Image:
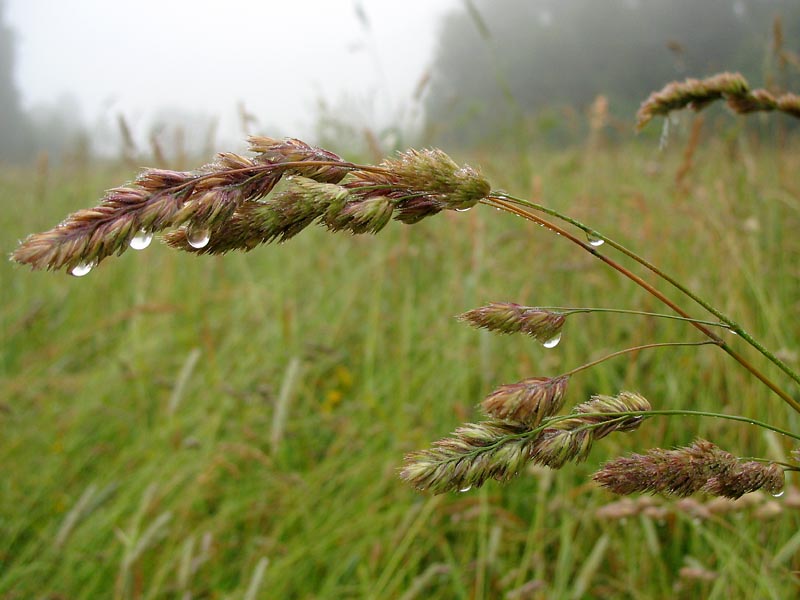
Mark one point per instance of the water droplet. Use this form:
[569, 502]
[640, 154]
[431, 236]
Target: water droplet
[82, 269]
[463, 209]
[778, 494]
[594, 241]
[662, 142]
[553, 341]
[465, 489]
[198, 238]
[141, 240]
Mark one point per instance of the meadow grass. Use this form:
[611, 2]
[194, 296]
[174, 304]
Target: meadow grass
[200, 427]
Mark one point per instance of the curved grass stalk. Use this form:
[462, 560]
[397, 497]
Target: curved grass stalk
[725, 319]
[511, 205]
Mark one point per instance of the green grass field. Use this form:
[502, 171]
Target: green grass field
[174, 426]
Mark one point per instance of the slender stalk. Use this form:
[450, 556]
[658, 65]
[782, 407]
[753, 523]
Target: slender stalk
[635, 349]
[730, 323]
[568, 310]
[498, 202]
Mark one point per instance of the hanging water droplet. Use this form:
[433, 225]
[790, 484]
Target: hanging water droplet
[465, 489]
[463, 209]
[141, 240]
[594, 241]
[198, 238]
[552, 342]
[82, 269]
[662, 142]
[778, 494]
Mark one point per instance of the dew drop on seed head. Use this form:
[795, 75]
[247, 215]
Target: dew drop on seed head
[465, 489]
[141, 240]
[82, 269]
[552, 342]
[778, 494]
[594, 241]
[198, 238]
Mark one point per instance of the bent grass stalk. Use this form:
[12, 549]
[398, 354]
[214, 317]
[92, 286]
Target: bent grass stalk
[235, 203]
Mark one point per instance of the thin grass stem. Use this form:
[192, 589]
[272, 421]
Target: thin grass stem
[635, 349]
[497, 201]
[726, 320]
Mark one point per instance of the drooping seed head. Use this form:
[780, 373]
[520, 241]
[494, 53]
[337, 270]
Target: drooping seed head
[692, 93]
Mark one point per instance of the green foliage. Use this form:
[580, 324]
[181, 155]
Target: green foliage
[139, 404]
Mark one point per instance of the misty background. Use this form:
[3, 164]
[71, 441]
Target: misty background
[166, 78]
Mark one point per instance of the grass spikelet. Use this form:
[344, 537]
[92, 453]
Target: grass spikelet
[746, 477]
[361, 216]
[528, 401]
[507, 317]
[571, 439]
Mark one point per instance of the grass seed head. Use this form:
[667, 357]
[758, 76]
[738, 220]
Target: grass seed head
[528, 401]
[701, 466]
[473, 454]
[507, 317]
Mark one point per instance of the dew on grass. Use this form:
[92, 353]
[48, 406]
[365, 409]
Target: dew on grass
[82, 269]
[594, 241]
[198, 238]
[552, 342]
[141, 240]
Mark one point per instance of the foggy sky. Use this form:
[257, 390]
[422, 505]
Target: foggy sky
[278, 58]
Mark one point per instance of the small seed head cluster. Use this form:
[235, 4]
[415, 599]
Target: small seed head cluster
[528, 401]
[507, 317]
[499, 449]
[701, 466]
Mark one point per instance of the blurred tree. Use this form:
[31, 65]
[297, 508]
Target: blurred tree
[499, 61]
[15, 131]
